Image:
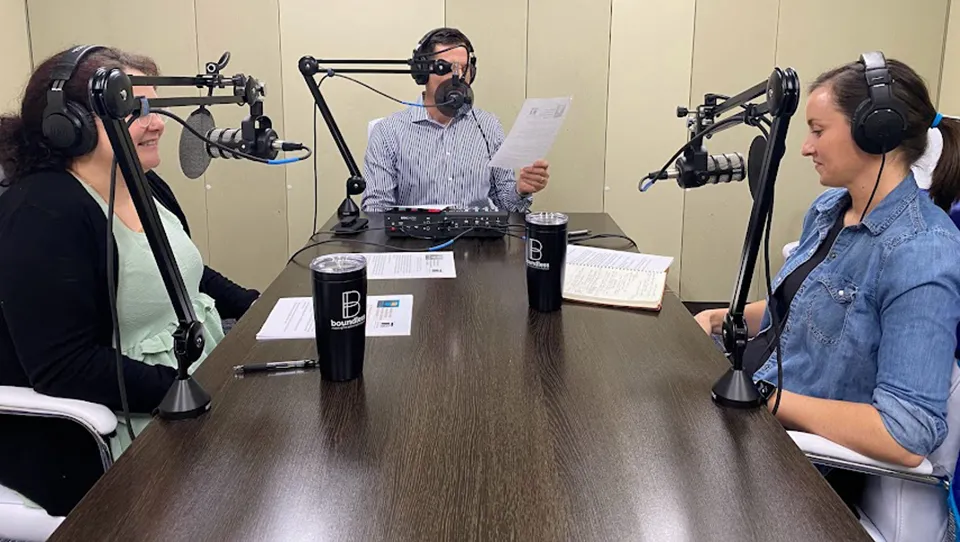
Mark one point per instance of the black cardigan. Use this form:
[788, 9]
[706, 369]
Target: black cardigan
[56, 329]
[55, 324]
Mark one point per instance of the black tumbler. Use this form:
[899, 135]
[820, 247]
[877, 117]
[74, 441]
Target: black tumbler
[546, 257]
[340, 314]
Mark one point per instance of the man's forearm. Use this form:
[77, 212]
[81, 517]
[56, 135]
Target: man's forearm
[857, 426]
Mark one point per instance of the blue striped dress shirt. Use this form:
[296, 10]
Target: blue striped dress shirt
[412, 159]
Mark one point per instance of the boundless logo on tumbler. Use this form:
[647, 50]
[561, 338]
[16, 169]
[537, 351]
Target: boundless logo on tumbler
[535, 254]
[351, 312]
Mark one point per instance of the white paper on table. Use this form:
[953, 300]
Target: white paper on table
[533, 133]
[616, 259]
[410, 265]
[389, 315]
[292, 318]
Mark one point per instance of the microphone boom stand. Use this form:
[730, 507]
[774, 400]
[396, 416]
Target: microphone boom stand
[113, 100]
[736, 388]
[348, 214]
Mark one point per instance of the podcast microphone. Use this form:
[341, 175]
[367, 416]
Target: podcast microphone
[255, 138]
[454, 97]
[719, 168]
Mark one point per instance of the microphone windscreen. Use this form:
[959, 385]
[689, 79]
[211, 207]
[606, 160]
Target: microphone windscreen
[454, 97]
[194, 158]
[758, 148]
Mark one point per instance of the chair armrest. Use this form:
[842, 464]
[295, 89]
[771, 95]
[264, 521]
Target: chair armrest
[826, 452]
[98, 419]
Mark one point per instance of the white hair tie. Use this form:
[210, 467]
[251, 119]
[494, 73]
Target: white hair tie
[924, 167]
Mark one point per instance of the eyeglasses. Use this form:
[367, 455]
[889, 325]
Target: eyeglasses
[146, 120]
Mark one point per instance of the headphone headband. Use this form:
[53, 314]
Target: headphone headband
[427, 40]
[66, 67]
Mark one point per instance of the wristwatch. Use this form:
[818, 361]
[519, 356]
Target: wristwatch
[766, 389]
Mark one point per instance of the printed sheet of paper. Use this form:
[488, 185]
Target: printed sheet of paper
[533, 133]
[292, 318]
[410, 265]
[616, 259]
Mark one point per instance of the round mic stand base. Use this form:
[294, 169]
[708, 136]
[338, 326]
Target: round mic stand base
[737, 390]
[185, 399]
[348, 215]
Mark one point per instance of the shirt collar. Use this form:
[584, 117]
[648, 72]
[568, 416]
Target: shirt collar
[418, 113]
[880, 218]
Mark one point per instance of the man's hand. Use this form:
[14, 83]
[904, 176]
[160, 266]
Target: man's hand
[533, 178]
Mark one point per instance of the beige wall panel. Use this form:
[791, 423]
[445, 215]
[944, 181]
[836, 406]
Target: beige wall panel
[642, 128]
[246, 202]
[15, 61]
[950, 83]
[498, 31]
[817, 35]
[342, 30]
[167, 34]
[567, 55]
[715, 217]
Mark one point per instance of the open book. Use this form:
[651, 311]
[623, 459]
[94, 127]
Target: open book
[614, 277]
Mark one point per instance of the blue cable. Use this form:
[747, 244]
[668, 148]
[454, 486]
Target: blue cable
[441, 246]
[646, 186]
[281, 161]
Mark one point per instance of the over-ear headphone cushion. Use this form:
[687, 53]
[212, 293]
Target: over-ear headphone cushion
[877, 129]
[88, 129]
[71, 130]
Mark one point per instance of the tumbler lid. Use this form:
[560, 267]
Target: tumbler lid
[547, 219]
[338, 264]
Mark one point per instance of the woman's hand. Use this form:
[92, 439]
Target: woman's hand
[711, 320]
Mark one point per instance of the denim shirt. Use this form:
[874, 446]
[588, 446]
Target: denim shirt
[876, 321]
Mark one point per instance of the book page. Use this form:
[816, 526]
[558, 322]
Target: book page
[613, 284]
[616, 259]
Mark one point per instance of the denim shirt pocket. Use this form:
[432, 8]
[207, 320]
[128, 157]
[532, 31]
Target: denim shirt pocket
[829, 299]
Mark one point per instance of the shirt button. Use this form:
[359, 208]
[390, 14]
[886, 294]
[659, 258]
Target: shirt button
[448, 154]
[833, 255]
[451, 178]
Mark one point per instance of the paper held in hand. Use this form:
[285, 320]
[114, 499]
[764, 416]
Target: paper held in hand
[616, 278]
[533, 132]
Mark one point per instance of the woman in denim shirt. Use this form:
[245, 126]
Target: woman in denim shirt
[869, 301]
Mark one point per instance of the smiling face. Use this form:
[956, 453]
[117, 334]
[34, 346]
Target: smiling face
[145, 135]
[829, 143]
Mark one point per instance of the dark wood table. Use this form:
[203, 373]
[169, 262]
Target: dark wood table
[490, 422]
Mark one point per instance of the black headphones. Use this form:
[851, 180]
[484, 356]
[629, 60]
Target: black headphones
[880, 121]
[67, 125]
[423, 55]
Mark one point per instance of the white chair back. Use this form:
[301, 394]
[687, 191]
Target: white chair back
[370, 126]
[905, 511]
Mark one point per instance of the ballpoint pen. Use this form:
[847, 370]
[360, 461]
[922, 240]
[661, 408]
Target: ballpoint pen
[274, 366]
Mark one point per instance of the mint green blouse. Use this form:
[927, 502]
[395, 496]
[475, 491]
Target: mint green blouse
[146, 317]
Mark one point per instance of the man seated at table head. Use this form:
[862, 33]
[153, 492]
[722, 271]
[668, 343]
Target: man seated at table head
[429, 154]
